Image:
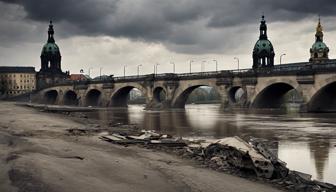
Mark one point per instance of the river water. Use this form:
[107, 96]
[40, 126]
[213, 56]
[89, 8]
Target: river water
[306, 142]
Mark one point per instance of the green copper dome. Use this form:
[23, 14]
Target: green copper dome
[50, 48]
[319, 46]
[263, 45]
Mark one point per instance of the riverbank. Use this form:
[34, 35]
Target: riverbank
[38, 154]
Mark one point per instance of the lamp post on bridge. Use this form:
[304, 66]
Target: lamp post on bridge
[202, 66]
[190, 65]
[124, 70]
[100, 68]
[281, 57]
[173, 66]
[216, 64]
[236, 58]
[139, 69]
[156, 68]
[90, 71]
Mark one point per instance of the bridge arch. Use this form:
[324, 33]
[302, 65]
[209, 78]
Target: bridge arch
[120, 97]
[324, 99]
[181, 96]
[236, 94]
[70, 98]
[50, 97]
[272, 95]
[93, 97]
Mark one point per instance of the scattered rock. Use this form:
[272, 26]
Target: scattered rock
[75, 157]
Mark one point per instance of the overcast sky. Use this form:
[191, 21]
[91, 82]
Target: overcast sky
[114, 33]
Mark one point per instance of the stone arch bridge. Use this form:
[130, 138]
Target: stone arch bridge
[263, 88]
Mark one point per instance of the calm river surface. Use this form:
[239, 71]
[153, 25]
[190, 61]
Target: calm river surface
[306, 142]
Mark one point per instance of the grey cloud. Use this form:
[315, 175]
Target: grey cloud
[182, 25]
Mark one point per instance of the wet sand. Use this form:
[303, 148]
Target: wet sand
[37, 155]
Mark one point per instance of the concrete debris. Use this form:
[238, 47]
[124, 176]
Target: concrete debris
[280, 169]
[146, 138]
[240, 154]
[232, 155]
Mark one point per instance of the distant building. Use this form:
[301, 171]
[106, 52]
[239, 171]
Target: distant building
[51, 71]
[17, 80]
[263, 52]
[319, 51]
[79, 77]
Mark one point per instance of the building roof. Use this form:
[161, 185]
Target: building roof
[263, 45]
[79, 77]
[17, 69]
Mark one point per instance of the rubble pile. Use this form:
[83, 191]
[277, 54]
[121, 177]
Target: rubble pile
[149, 138]
[250, 159]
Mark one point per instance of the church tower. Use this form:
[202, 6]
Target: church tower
[263, 52]
[319, 51]
[50, 71]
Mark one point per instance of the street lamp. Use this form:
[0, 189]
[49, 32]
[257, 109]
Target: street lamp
[173, 66]
[139, 69]
[216, 64]
[236, 58]
[100, 69]
[202, 66]
[156, 68]
[90, 71]
[124, 70]
[190, 64]
[281, 57]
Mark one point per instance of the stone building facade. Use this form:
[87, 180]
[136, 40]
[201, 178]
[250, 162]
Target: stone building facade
[17, 80]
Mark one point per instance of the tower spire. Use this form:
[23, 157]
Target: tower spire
[51, 33]
[319, 31]
[319, 51]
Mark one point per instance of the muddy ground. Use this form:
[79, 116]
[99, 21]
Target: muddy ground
[38, 154]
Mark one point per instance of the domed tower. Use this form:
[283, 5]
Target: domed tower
[263, 52]
[319, 51]
[50, 71]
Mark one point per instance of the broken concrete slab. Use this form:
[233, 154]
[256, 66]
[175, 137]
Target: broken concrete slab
[242, 155]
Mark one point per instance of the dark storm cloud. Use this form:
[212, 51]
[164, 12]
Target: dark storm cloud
[174, 22]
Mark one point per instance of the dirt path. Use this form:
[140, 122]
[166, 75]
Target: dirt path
[36, 155]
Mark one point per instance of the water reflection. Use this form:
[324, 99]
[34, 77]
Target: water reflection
[305, 141]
